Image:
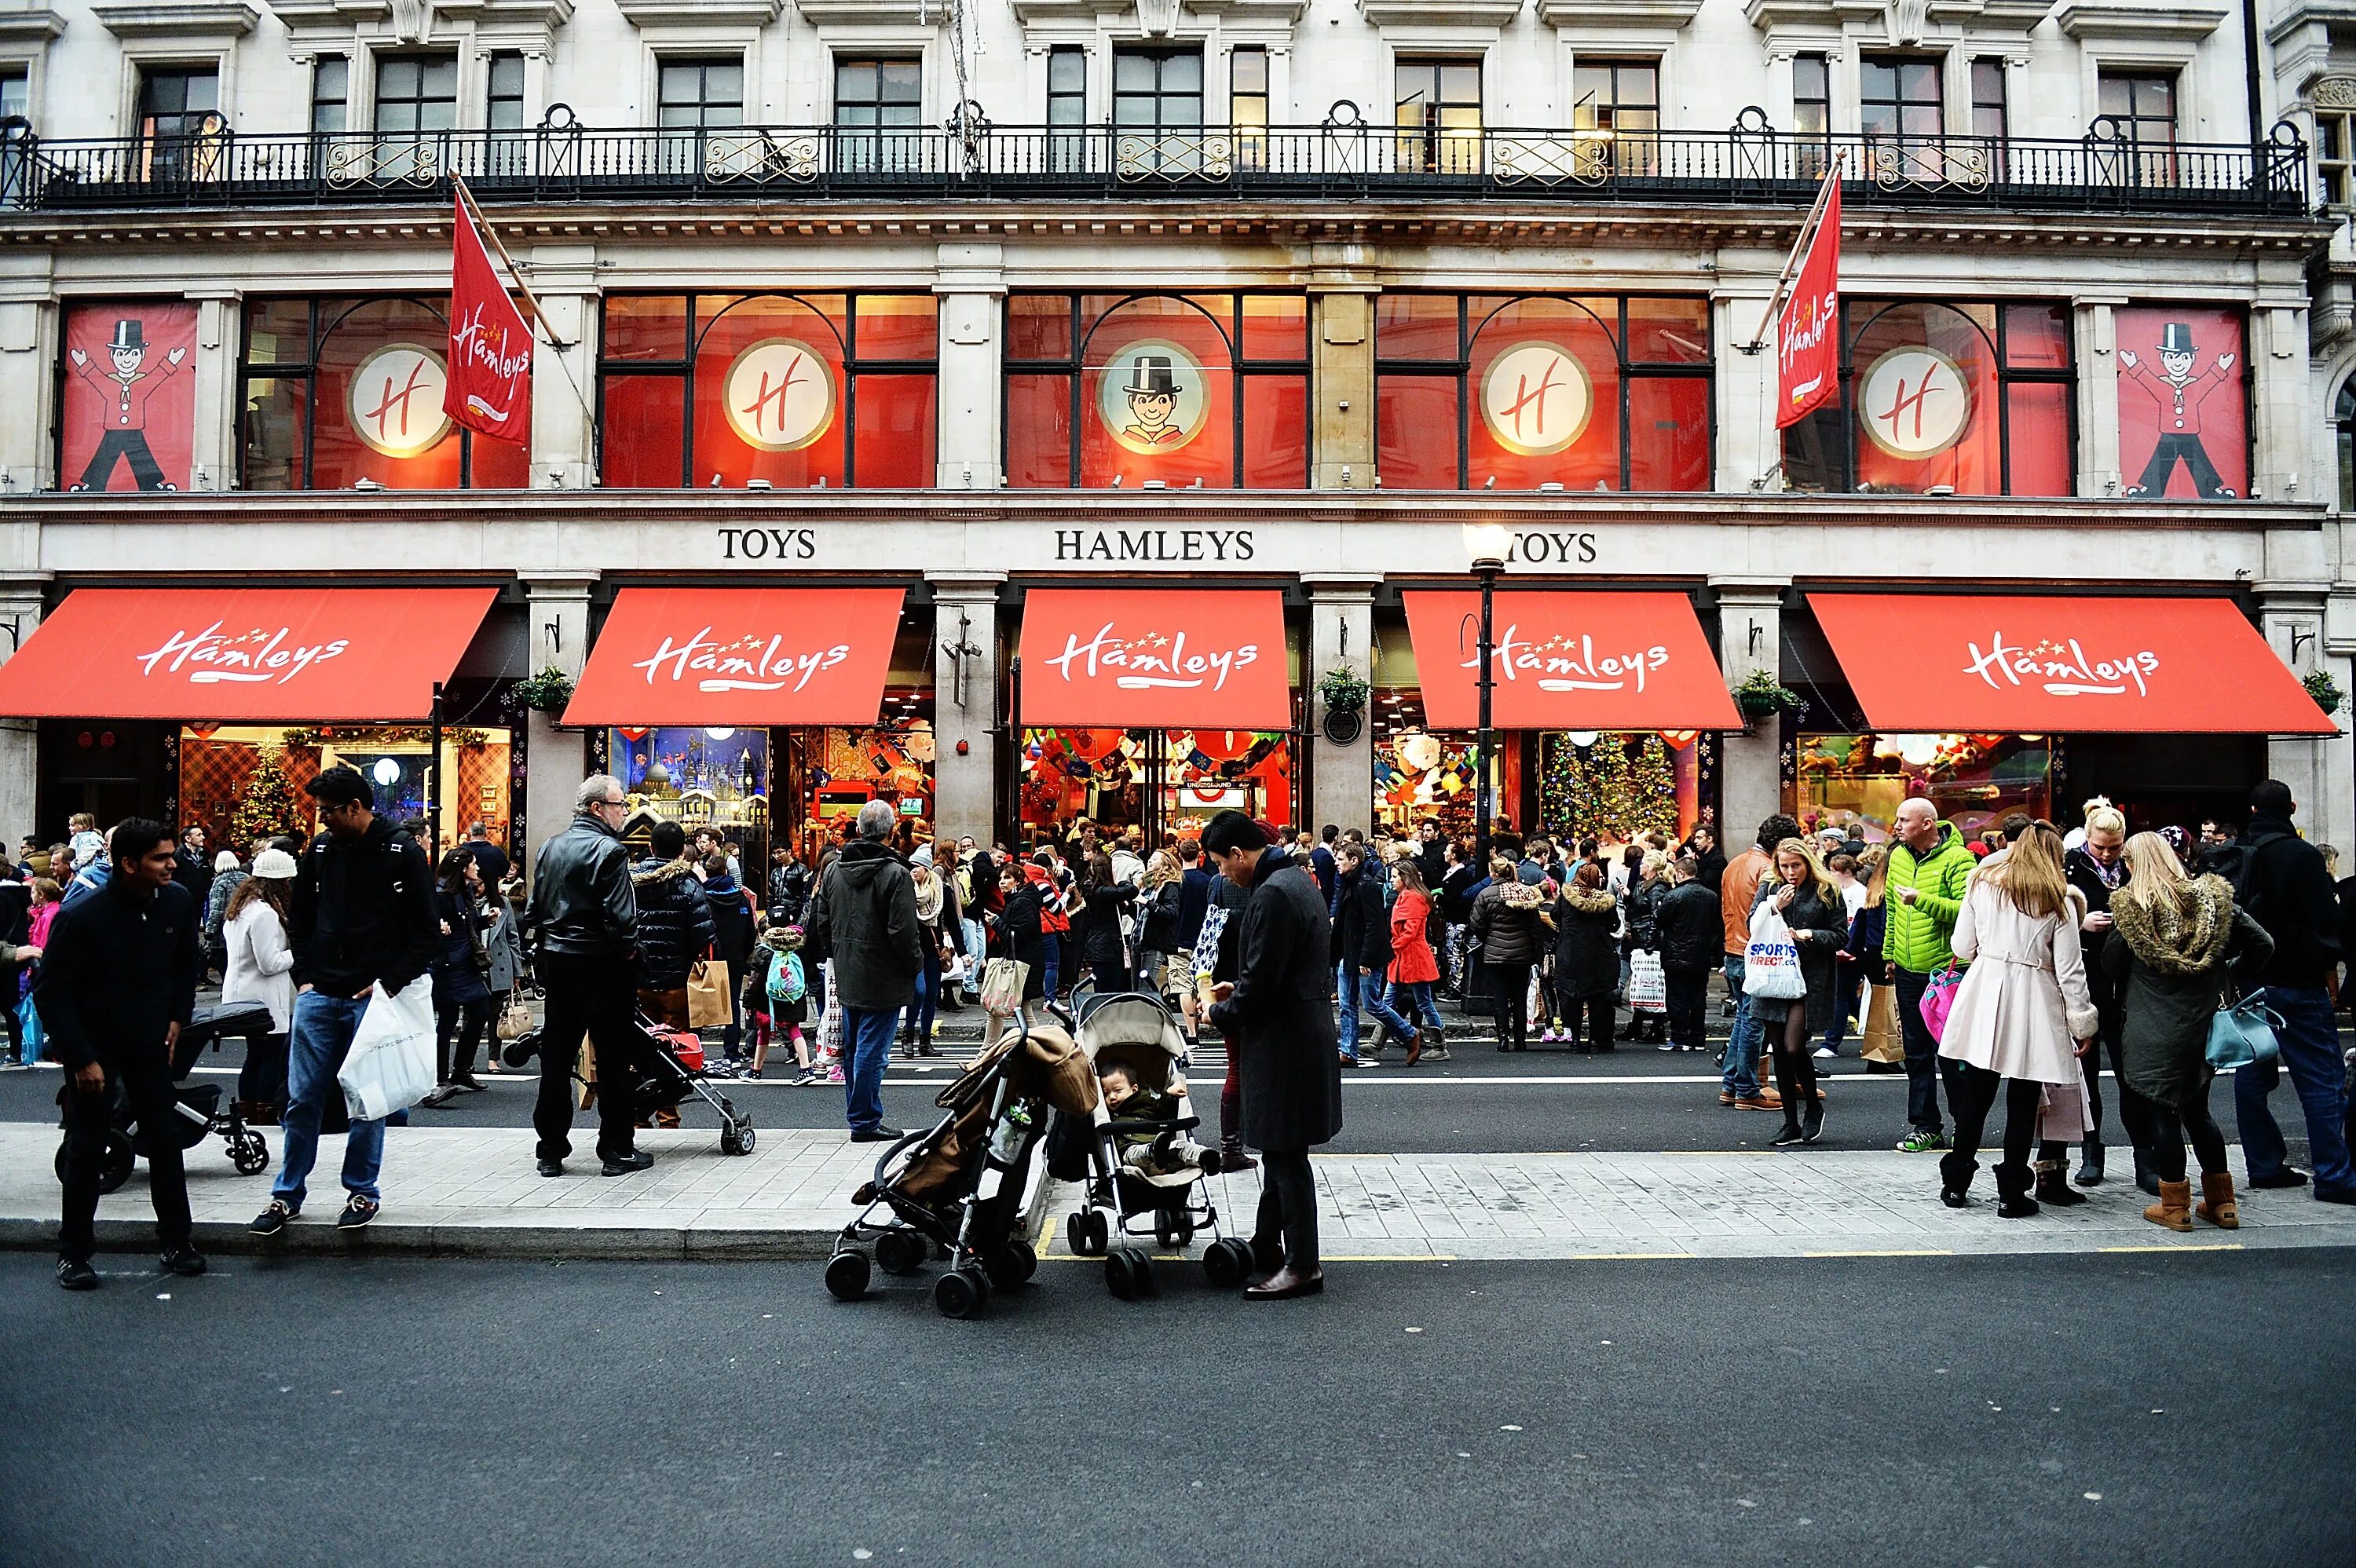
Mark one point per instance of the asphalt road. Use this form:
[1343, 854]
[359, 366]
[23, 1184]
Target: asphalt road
[2089, 1410]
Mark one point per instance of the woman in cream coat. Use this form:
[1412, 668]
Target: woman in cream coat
[259, 968]
[2022, 1016]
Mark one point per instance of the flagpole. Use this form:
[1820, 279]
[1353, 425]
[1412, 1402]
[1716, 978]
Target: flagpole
[538, 317]
[1799, 248]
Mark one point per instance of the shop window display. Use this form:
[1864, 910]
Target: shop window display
[126, 405]
[1590, 393]
[792, 390]
[244, 781]
[1614, 787]
[1198, 390]
[337, 391]
[1973, 780]
[1170, 781]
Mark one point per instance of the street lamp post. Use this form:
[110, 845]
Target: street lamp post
[1486, 544]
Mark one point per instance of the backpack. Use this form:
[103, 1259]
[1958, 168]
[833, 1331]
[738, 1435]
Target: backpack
[786, 983]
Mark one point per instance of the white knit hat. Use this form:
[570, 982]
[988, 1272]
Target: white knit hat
[274, 866]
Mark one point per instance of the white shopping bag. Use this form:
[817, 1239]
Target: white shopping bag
[391, 1064]
[1771, 965]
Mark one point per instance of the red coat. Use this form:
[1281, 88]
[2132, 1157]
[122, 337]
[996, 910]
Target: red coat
[1411, 958]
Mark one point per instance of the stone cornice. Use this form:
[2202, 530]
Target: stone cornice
[700, 12]
[1667, 14]
[30, 26]
[2126, 20]
[177, 19]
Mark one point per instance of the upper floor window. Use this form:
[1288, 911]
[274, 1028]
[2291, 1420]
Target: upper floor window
[416, 93]
[1067, 107]
[16, 93]
[331, 95]
[503, 96]
[1618, 104]
[2144, 104]
[1248, 103]
[2343, 432]
[179, 121]
[338, 390]
[794, 391]
[697, 94]
[1524, 392]
[1812, 95]
[1158, 90]
[1195, 390]
[1898, 95]
[2335, 156]
[1989, 116]
[876, 103]
[1979, 399]
[1437, 105]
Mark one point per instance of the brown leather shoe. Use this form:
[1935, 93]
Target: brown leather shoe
[1757, 1103]
[1725, 1097]
[1284, 1284]
[1415, 1047]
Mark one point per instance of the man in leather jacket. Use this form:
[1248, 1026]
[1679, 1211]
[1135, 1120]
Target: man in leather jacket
[587, 916]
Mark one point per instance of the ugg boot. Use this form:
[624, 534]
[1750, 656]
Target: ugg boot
[2174, 1208]
[2216, 1204]
[1232, 1155]
[2090, 1162]
[2013, 1181]
[1435, 1044]
[2053, 1184]
[1956, 1173]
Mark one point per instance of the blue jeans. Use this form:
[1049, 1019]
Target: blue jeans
[1413, 999]
[1845, 985]
[1741, 1077]
[2310, 1048]
[867, 1041]
[1051, 950]
[324, 1027]
[926, 1007]
[1363, 991]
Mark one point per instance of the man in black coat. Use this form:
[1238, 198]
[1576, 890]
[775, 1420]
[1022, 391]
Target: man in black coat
[118, 984]
[2098, 869]
[1279, 1011]
[2285, 888]
[191, 867]
[585, 912]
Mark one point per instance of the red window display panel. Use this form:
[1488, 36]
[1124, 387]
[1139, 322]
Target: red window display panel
[127, 420]
[1545, 389]
[900, 327]
[1417, 326]
[1668, 331]
[1923, 398]
[1415, 432]
[1158, 397]
[1276, 433]
[644, 421]
[2039, 418]
[1038, 327]
[646, 326]
[2183, 403]
[1039, 431]
[1276, 326]
[1669, 432]
[379, 383]
[896, 419]
[770, 394]
[1571, 661]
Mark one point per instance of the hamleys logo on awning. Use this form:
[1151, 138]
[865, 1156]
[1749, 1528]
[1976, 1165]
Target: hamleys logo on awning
[1569, 662]
[260, 656]
[751, 663]
[1151, 660]
[2061, 667]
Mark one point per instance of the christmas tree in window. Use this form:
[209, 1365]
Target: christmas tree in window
[268, 809]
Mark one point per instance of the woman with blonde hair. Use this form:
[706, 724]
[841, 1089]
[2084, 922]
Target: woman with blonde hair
[1805, 895]
[2022, 1016]
[1156, 915]
[2175, 943]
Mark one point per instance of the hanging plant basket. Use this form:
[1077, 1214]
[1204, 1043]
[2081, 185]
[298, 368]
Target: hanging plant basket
[2324, 689]
[1343, 690]
[1760, 696]
[547, 692]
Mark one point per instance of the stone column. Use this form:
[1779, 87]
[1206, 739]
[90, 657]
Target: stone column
[29, 325]
[1750, 637]
[557, 632]
[20, 613]
[2319, 769]
[1342, 344]
[2096, 322]
[220, 332]
[2279, 470]
[564, 280]
[1749, 447]
[965, 705]
[1341, 635]
[971, 287]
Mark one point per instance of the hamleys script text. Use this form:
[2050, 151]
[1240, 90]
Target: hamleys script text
[748, 664]
[1151, 659]
[253, 657]
[2061, 668]
[1564, 663]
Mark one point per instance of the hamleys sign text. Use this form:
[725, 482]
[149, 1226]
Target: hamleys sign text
[263, 655]
[2059, 667]
[750, 662]
[1151, 660]
[1565, 662]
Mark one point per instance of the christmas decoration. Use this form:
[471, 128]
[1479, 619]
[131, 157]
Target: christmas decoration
[1604, 795]
[1651, 799]
[268, 809]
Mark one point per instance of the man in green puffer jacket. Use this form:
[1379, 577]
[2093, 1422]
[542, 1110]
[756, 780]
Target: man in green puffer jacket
[1924, 892]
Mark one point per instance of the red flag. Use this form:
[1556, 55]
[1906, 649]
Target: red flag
[489, 389]
[1807, 333]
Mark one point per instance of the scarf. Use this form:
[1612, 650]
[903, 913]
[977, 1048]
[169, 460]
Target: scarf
[2173, 940]
[929, 899]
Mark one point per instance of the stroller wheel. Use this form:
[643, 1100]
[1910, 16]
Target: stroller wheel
[736, 1136]
[1226, 1263]
[1012, 1266]
[249, 1154]
[899, 1251]
[114, 1167]
[1084, 1232]
[1172, 1229]
[1129, 1273]
[962, 1293]
[846, 1275]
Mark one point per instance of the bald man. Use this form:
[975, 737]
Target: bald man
[1924, 892]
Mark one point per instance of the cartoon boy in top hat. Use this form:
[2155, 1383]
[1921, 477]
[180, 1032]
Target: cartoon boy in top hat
[126, 389]
[1153, 403]
[2178, 391]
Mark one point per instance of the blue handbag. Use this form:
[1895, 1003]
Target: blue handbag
[2241, 1034]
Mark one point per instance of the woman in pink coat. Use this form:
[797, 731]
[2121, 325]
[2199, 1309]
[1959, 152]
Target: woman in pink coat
[2022, 1016]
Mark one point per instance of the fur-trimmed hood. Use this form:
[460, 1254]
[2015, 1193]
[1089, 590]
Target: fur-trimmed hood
[646, 873]
[2182, 942]
[1589, 901]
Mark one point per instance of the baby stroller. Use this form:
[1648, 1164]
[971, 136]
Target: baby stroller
[1145, 1170]
[956, 1185]
[669, 1070]
[202, 1112]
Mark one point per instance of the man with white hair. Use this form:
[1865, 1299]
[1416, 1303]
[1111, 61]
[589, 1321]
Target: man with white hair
[865, 913]
[587, 911]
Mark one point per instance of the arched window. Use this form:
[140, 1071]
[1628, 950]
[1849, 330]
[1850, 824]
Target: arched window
[2343, 442]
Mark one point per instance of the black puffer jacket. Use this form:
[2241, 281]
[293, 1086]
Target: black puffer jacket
[1691, 927]
[1586, 959]
[674, 923]
[1505, 922]
[1645, 901]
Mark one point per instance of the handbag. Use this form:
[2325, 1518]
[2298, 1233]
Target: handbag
[1771, 964]
[1648, 983]
[515, 1022]
[708, 1004]
[1003, 980]
[2241, 1034]
[1939, 999]
[1884, 1040]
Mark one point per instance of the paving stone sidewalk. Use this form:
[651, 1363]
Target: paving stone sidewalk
[1776, 1204]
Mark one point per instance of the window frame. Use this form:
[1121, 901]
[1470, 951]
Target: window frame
[342, 100]
[1999, 108]
[494, 100]
[1431, 136]
[1251, 130]
[423, 59]
[873, 139]
[2335, 156]
[1160, 57]
[703, 104]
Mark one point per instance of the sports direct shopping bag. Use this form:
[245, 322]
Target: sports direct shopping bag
[1771, 965]
[1648, 984]
[391, 1064]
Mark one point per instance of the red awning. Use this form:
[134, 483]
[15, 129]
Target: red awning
[243, 655]
[2038, 665]
[1177, 658]
[740, 656]
[1595, 660]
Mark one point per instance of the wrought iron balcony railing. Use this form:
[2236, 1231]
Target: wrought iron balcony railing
[2107, 169]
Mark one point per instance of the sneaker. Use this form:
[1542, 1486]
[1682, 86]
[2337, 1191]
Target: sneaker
[1669, 1045]
[806, 1080]
[75, 1273]
[185, 1260]
[1367, 1061]
[357, 1212]
[1824, 1051]
[273, 1220]
[834, 1075]
[1919, 1142]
